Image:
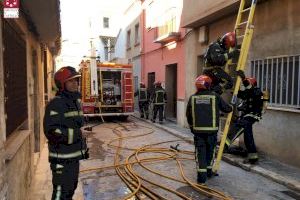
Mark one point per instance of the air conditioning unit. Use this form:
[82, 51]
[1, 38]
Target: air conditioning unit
[203, 35]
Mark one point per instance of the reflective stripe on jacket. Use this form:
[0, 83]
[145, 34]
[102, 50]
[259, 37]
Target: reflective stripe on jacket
[143, 94]
[159, 96]
[203, 111]
[62, 122]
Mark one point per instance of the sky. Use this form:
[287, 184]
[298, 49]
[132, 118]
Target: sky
[75, 26]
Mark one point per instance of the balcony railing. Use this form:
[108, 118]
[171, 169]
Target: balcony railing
[167, 32]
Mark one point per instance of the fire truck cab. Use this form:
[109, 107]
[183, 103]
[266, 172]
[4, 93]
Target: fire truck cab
[107, 89]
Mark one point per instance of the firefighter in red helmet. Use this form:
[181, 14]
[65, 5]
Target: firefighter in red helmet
[250, 108]
[143, 98]
[159, 98]
[216, 57]
[202, 114]
[66, 143]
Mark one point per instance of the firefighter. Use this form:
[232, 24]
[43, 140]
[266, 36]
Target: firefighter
[216, 57]
[66, 143]
[117, 90]
[159, 98]
[143, 98]
[202, 114]
[250, 108]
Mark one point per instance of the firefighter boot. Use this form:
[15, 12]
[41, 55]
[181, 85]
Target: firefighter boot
[211, 174]
[252, 159]
[201, 177]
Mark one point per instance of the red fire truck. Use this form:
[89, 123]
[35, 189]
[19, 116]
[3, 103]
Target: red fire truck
[107, 89]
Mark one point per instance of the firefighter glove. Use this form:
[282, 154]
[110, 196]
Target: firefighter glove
[86, 155]
[234, 54]
[241, 74]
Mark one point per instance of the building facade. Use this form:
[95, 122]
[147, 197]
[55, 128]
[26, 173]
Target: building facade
[163, 53]
[105, 25]
[26, 70]
[273, 59]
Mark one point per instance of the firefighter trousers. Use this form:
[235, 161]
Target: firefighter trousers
[219, 76]
[64, 179]
[244, 125]
[205, 145]
[144, 109]
[160, 110]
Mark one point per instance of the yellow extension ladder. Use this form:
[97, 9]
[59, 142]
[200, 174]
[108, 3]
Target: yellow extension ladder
[244, 31]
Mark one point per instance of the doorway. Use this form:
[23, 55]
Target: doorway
[35, 109]
[171, 90]
[151, 80]
[200, 64]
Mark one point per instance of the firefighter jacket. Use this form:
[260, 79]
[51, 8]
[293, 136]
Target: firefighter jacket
[159, 96]
[202, 111]
[62, 122]
[215, 55]
[215, 58]
[143, 94]
[252, 102]
[219, 77]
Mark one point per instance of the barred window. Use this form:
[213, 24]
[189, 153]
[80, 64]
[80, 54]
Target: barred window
[281, 77]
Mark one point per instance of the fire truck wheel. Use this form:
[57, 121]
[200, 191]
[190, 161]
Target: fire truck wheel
[123, 118]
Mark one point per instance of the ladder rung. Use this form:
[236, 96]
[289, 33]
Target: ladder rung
[232, 64]
[243, 23]
[247, 9]
[240, 36]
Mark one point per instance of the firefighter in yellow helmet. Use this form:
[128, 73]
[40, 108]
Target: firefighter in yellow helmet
[67, 145]
[202, 114]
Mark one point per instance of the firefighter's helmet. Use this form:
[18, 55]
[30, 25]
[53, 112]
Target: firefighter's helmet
[228, 40]
[158, 84]
[252, 81]
[142, 85]
[203, 82]
[63, 75]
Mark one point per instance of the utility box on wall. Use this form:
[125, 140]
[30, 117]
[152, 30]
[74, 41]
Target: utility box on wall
[203, 35]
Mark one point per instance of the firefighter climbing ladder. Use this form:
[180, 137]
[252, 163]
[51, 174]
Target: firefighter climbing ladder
[244, 32]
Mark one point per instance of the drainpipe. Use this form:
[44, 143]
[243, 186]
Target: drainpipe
[142, 52]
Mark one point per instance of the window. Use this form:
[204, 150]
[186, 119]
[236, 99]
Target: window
[106, 53]
[128, 39]
[15, 78]
[137, 34]
[281, 77]
[167, 22]
[105, 22]
[168, 27]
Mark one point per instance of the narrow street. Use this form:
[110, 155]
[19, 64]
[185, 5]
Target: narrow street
[99, 178]
[158, 72]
